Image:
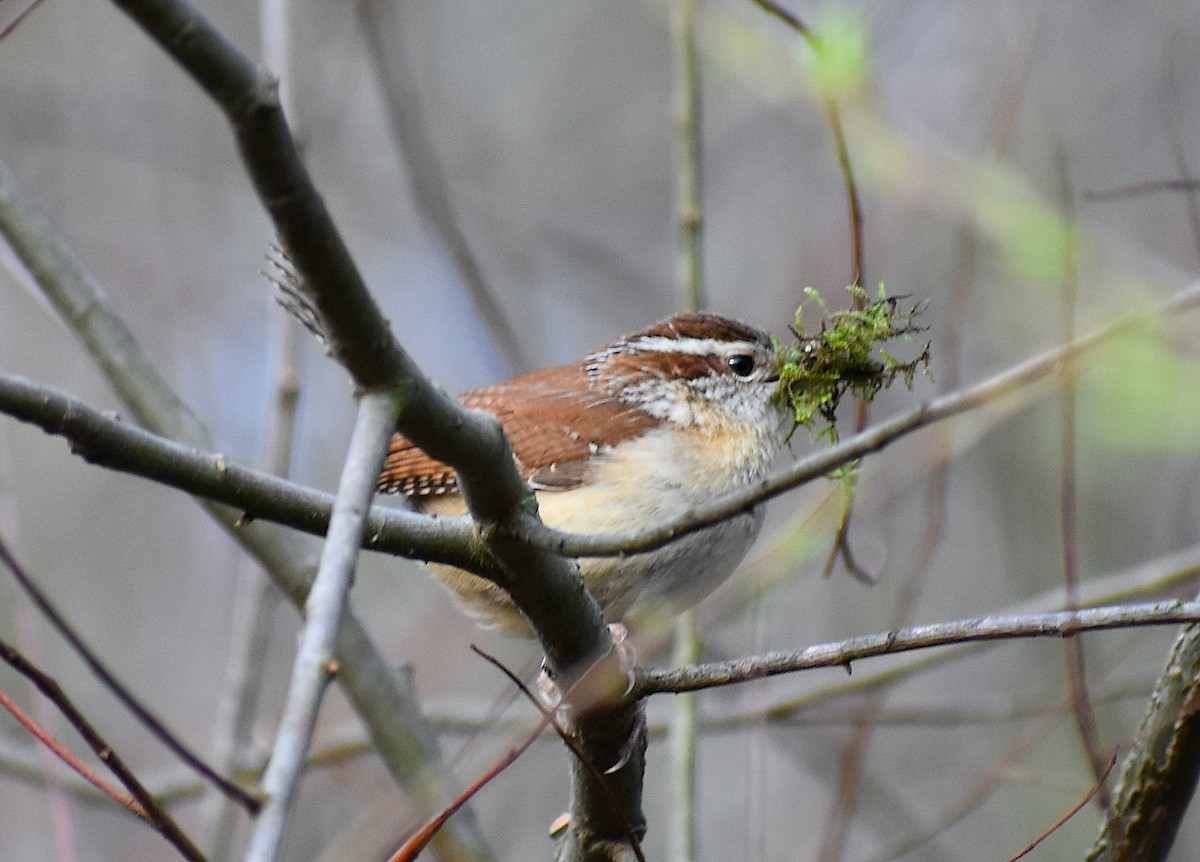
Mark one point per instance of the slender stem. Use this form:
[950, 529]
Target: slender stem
[159, 818]
[689, 207]
[258, 597]
[688, 153]
[314, 664]
[843, 653]
[682, 841]
[143, 714]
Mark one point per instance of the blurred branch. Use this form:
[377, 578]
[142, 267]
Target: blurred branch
[841, 548]
[114, 444]
[843, 653]
[155, 815]
[1081, 706]
[1159, 774]
[233, 723]
[1146, 187]
[684, 737]
[1071, 812]
[970, 799]
[567, 619]
[689, 211]
[544, 585]
[315, 664]
[383, 32]
[689, 197]
[17, 20]
[548, 718]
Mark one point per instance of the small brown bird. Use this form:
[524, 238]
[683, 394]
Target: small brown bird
[637, 432]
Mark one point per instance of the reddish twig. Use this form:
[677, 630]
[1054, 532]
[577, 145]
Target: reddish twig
[150, 721]
[1075, 809]
[44, 737]
[154, 813]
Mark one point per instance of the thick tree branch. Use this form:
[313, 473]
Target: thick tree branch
[1159, 775]
[843, 653]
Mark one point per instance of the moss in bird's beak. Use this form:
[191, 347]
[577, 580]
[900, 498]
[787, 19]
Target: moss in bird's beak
[846, 355]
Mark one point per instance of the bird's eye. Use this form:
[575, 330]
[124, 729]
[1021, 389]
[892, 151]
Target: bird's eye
[741, 364]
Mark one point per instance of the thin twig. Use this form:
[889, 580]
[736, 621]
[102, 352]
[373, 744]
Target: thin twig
[970, 799]
[684, 737]
[844, 653]
[689, 198]
[1085, 715]
[315, 664]
[18, 19]
[406, 744]
[64, 754]
[157, 817]
[258, 496]
[1071, 812]
[257, 597]
[455, 541]
[942, 407]
[1146, 187]
[143, 714]
[689, 214]
[551, 716]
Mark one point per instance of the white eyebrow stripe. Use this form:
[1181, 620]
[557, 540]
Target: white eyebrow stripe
[692, 346]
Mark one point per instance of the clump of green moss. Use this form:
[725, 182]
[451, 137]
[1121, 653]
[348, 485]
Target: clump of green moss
[846, 356]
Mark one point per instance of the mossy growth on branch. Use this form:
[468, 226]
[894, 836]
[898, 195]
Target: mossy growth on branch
[845, 356]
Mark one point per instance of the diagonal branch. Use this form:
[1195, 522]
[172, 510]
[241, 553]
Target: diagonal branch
[543, 584]
[154, 813]
[567, 619]
[150, 721]
[1159, 775]
[315, 665]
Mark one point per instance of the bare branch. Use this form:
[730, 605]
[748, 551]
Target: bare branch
[148, 719]
[843, 653]
[106, 441]
[157, 817]
[315, 665]
[1158, 776]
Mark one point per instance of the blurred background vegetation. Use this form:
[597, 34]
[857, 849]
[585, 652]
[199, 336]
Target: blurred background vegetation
[1005, 151]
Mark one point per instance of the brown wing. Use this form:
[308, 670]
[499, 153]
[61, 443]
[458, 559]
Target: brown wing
[555, 421]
